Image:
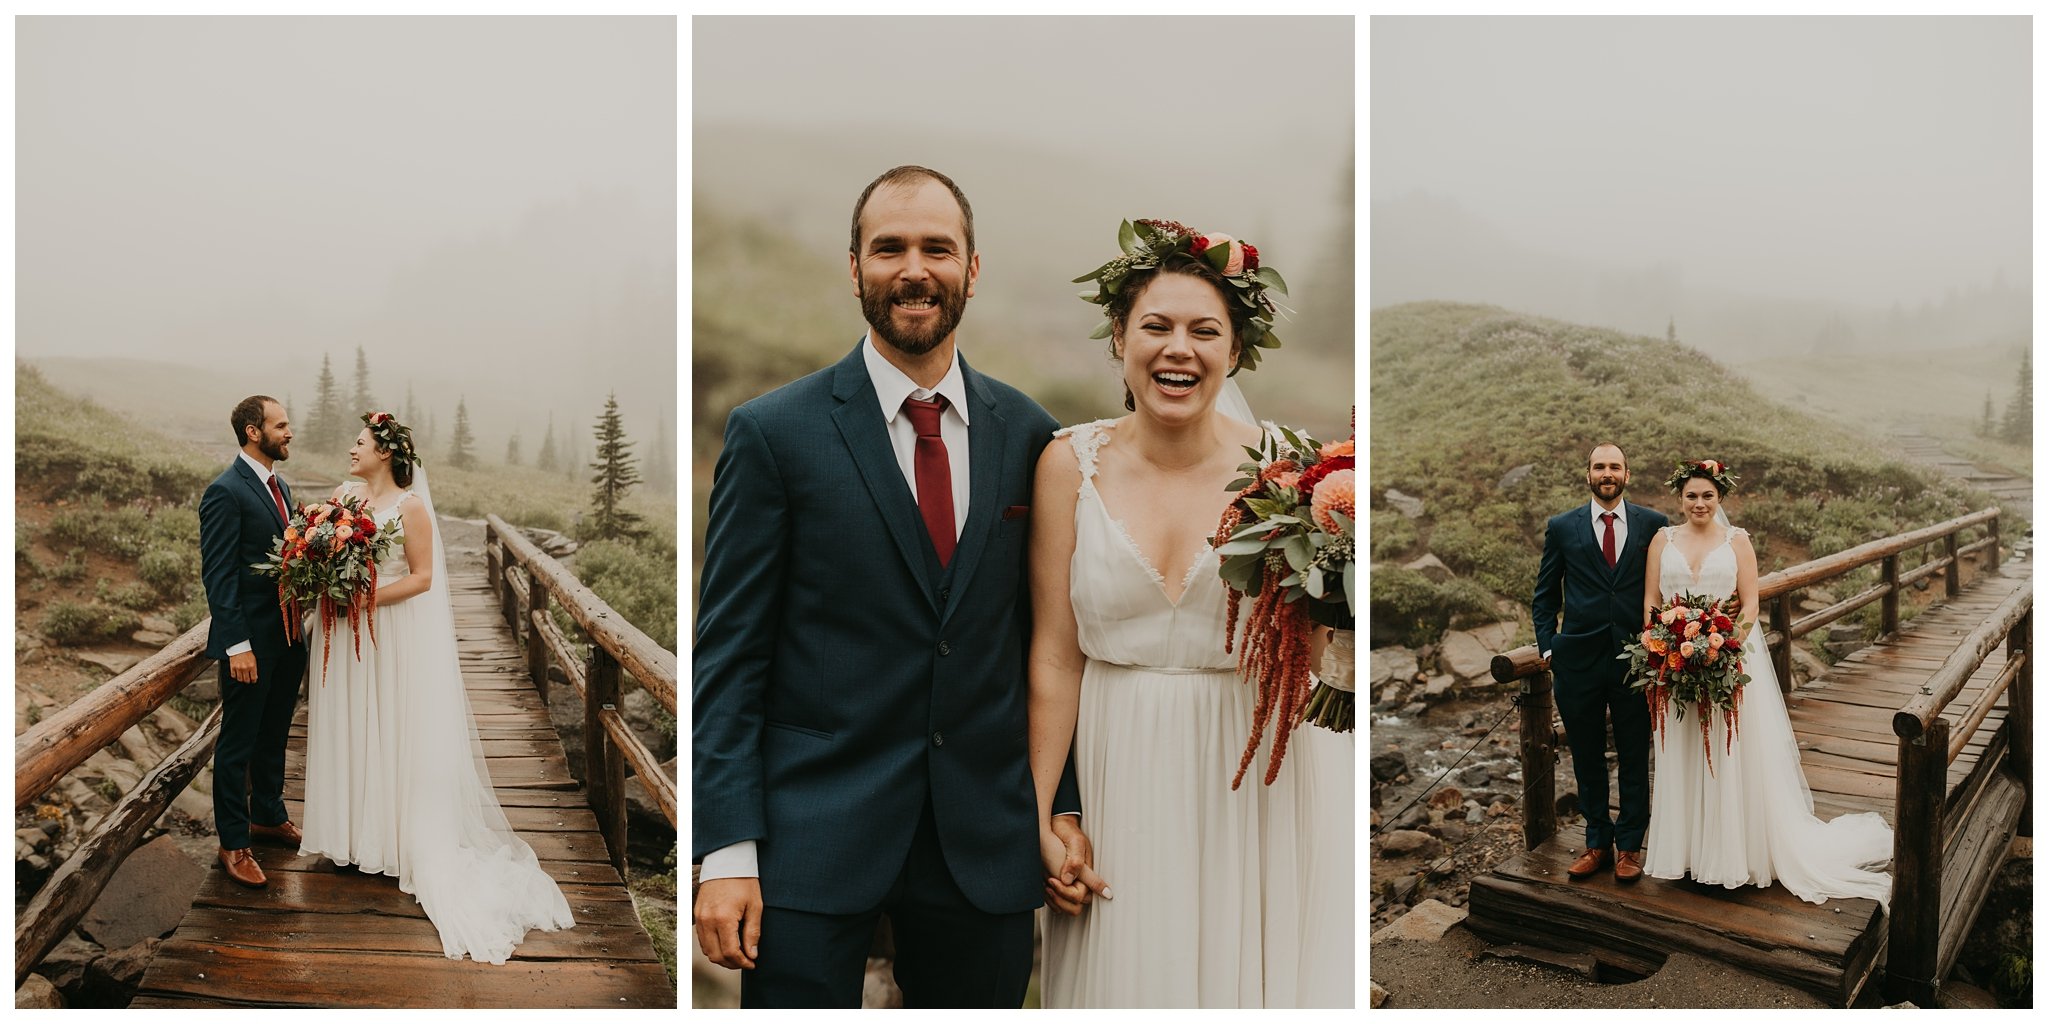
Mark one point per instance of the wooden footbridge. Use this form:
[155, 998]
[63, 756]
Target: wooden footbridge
[322, 937]
[1931, 727]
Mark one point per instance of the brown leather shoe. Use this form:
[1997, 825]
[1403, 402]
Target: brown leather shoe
[1592, 862]
[282, 832]
[1628, 866]
[241, 866]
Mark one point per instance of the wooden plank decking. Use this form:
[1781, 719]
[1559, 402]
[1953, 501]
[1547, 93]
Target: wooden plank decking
[1843, 725]
[321, 937]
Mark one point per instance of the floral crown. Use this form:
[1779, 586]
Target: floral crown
[391, 435]
[1147, 243]
[1715, 470]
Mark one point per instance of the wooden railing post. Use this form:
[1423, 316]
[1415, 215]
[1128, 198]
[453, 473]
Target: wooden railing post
[494, 556]
[536, 642]
[604, 768]
[508, 598]
[1915, 953]
[2019, 715]
[1539, 762]
[1781, 652]
[1888, 621]
[1952, 581]
[1995, 542]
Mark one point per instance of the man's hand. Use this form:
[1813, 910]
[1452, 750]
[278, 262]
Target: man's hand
[728, 918]
[1074, 884]
[242, 667]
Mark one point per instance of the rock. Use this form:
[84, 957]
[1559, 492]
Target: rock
[1394, 665]
[1406, 842]
[147, 897]
[1477, 776]
[205, 689]
[1446, 797]
[1959, 995]
[27, 641]
[198, 806]
[116, 662]
[171, 725]
[2022, 848]
[641, 808]
[1451, 832]
[1402, 889]
[1426, 922]
[159, 624]
[1413, 708]
[1408, 506]
[1464, 656]
[1807, 664]
[1386, 766]
[1432, 567]
[1379, 996]
[65, 965]
[36, 993]
[1438, 686]
[112, 979]
[1496, 809]
[1515, 476]
[1498, 637]
[151, 638]
[1568, 804]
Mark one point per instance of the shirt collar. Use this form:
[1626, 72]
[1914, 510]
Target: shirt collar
[1620, 509]
[262, 475]
[892, 385]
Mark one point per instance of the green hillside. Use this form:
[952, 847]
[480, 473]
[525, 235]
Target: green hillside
[1464, 394]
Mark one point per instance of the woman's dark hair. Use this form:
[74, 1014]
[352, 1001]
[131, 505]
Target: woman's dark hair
[401, 469]
[1119, 305]
[1703, 473]
[248, 413]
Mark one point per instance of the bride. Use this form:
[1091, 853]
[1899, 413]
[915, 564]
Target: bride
[395, 777]
[1748, 818]
[1221, 898]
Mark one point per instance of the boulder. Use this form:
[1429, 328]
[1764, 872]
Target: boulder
[1407, 842]
[159, 624]
[1447, 797]
[1498, 637]
[1426, 922]
[1394, 665]
[116, 662]
[36, 993]
[1402, 889]
[1385, 767]
[65, 965]
[1408, 506]
[112, 979]
[205, 689]
[1515, 476]
[1806, 664]
[147, 897]
[1431, 567]
[1464, 656]
[1438, 686]
[1379, 996]
[152, 638]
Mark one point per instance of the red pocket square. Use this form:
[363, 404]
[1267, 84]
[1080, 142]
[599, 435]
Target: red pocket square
[1016, 512]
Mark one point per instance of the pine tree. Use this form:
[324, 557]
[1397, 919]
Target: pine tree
[426, 441]
[462, 448]
[512, 450]
[546, 463]
[1671, 330]
[2019, 413]
[615, 477]
[361, 400]
[1985, 428]
[325, 432]
[661, 459]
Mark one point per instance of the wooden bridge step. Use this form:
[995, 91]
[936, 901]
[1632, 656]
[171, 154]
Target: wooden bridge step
[190, 975]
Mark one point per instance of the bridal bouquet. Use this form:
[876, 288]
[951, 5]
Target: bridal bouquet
[1287, 542]
[1688, 657]
[328, 557]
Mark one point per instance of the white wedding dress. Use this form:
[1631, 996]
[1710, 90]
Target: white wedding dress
[395, 778]
[1222, 898]
[1750, 820]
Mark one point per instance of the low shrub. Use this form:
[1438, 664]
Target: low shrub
[71, 623]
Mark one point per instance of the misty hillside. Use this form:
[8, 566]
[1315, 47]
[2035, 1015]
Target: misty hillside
[1463, 396]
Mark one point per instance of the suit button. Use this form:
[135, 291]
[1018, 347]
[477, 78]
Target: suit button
[938, 739]
[945, 648]
[945, 594]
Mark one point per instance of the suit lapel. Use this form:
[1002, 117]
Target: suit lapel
[859, 419]
[985, 470]
[262, 493]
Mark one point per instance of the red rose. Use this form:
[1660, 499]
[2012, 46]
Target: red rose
[1723, 624]
[1317, 472]
[1251, 257]
[1199, 244]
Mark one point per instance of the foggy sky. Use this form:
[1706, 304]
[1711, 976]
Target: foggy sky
[257, 190]
[1856, 160]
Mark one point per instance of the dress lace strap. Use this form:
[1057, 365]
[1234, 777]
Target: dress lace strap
[1087, 439]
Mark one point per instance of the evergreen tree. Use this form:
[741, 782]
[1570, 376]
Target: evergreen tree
[1985, 428]
[512, 450]
[462, 448]
[426, 442]
[546, 462]
[2019, 413]
[615, 477]
[661, 461]
[1671, 330]
[361, 401]
[325, 431]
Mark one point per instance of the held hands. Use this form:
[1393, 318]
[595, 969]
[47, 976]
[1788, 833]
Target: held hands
[728, 919]
[1071, 882]
[242, 667]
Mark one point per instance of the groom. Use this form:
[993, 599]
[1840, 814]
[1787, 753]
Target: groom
[860, 744]
[1592, 570]
[240, 515]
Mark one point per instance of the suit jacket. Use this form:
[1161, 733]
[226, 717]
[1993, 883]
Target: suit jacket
[1602, 607]
[238, 521]
[842, 677]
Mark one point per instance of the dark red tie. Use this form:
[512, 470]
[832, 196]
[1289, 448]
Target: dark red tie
[934, 474]
[1607, 540]
[278, 494]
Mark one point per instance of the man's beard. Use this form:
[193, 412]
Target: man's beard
[1620, 487]
[275, 450]
[878, 305]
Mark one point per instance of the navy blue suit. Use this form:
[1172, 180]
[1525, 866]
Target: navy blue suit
[238, 521]
[1602, 608]
[860, 711]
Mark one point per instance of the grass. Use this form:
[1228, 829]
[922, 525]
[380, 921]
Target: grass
[1463, 394]
[654, 900]
[73, 624]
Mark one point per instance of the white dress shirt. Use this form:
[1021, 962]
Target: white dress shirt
[263, 477]
[1620, 511]
[892, 386]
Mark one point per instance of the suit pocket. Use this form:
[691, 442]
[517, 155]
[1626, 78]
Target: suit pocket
[801, 730]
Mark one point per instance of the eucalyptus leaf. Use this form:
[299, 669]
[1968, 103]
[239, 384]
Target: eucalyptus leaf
[1241, 547]
[1126, 236]
[1315, 581]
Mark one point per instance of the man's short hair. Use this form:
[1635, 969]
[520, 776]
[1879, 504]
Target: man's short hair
[249, 413]
[1608, 444]
[905, 174]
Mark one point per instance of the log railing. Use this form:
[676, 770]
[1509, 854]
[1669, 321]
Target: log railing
[51, 748]
[1541, 737]
[608, 743]
[1923, 942]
